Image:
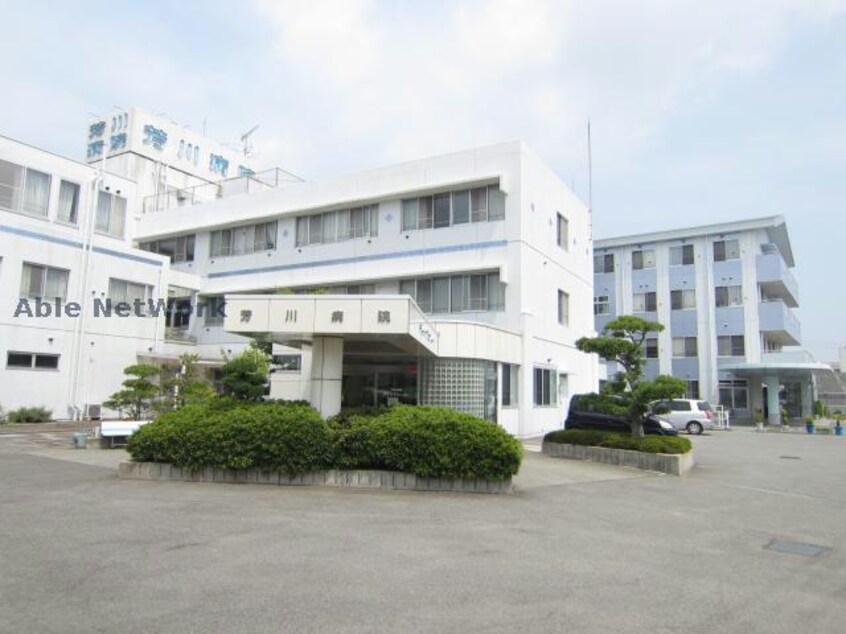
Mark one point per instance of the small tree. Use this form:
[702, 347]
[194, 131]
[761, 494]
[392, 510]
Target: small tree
[622, 342]
[138, 393]
[245, 375]
[183, 384]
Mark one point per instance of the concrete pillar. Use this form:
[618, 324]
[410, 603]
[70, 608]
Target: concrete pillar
[807, 397]
[773, 408]
[327, 366]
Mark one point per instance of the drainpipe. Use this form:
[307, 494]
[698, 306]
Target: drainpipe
[79, 335]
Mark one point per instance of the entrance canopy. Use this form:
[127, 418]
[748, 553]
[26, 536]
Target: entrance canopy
[294, 319]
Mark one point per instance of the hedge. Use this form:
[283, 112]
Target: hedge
[648, 444]
[432, 442]
[29, 415]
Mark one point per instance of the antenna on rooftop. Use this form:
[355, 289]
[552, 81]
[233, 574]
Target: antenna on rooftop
[590, 184]
[248, 148]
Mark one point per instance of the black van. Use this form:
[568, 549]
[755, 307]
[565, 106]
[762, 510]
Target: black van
[583, 415]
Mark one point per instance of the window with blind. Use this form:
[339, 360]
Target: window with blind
[111, 214]
[446, 209]
[68, 210]
[243, 240]
[123, 291]
[337, 226]
[44, 282]
[456, 293]
[24, 189]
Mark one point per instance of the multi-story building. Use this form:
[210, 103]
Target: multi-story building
[65, 250]
[725, 294]
[461, 280]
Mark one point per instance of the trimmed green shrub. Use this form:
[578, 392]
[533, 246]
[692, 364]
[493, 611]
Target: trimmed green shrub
[271, 436]
[648, 444]
[433, 442]
[30, 415]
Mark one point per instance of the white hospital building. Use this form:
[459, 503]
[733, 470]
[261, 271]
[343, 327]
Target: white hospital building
[461, 280]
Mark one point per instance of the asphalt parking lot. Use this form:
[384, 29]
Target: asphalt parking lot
[750, 541]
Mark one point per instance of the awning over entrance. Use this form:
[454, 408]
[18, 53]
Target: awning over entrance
[292, 319]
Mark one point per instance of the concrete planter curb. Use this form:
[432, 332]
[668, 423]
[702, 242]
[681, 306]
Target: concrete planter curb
[354, 478]
[672, 464]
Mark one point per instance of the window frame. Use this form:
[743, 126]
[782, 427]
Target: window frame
[684, 249]
[681, 293]
[639, 261]
[688, 351]
[510, 396]
[562, 231]
[33, 361]
[563, 307]
[646, 303]
[598, 303]
[45, 273]
[73, 220]
[545, 386]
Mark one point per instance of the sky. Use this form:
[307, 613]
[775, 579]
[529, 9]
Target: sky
[700, 112]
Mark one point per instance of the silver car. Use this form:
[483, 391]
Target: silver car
[692, 415]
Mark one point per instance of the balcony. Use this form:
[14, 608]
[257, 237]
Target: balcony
[779, 322]
[776, 279]
[175, 198]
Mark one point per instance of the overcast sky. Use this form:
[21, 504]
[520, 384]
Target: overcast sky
[700, 111]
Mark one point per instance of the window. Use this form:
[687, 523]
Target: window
[121, 291]
[682, 255]
[288, 362]
[562, 233]
[32, 361]
[545, 387]
[455, 294]
[601, 305]
[460, 207]
[442, 210]
[563, 308]
[731, 346]
[43, 282]
[244, 240]
[24, 189]
[728, 296]
[510, 378]
[643, 259]
[111, 214]
[692, 391]
[453, 208]
[214, 310]
[683, 300]
[603, 263]
[652, 348]
[726, 250]
[645, 302]
[680, 406]
[734, 394]
[336, 226]
[684, 347]
[178, 249]
[68, 202]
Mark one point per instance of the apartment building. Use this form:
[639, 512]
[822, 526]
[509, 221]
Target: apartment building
[726, 295]
[461, 280]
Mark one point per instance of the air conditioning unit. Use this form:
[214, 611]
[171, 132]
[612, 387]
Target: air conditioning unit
[92, 411]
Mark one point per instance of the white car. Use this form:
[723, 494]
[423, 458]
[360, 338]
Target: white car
[692, 415]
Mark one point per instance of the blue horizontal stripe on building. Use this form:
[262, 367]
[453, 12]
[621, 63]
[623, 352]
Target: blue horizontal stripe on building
[35, 235]
[492, 244]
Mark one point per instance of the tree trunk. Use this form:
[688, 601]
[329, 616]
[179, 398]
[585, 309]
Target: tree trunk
[637, 429]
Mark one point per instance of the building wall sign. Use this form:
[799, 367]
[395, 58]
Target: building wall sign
[94, 149]
[117, 142]
[96, 129]
[218, 164]
[155, 136]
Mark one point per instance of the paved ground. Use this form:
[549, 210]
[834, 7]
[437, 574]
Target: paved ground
[578, 548]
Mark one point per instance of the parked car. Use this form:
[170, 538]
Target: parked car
[692, 415]
[582, 415]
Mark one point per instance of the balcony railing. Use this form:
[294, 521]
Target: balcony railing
[776, 319]
[776, 278]
[175, 198]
